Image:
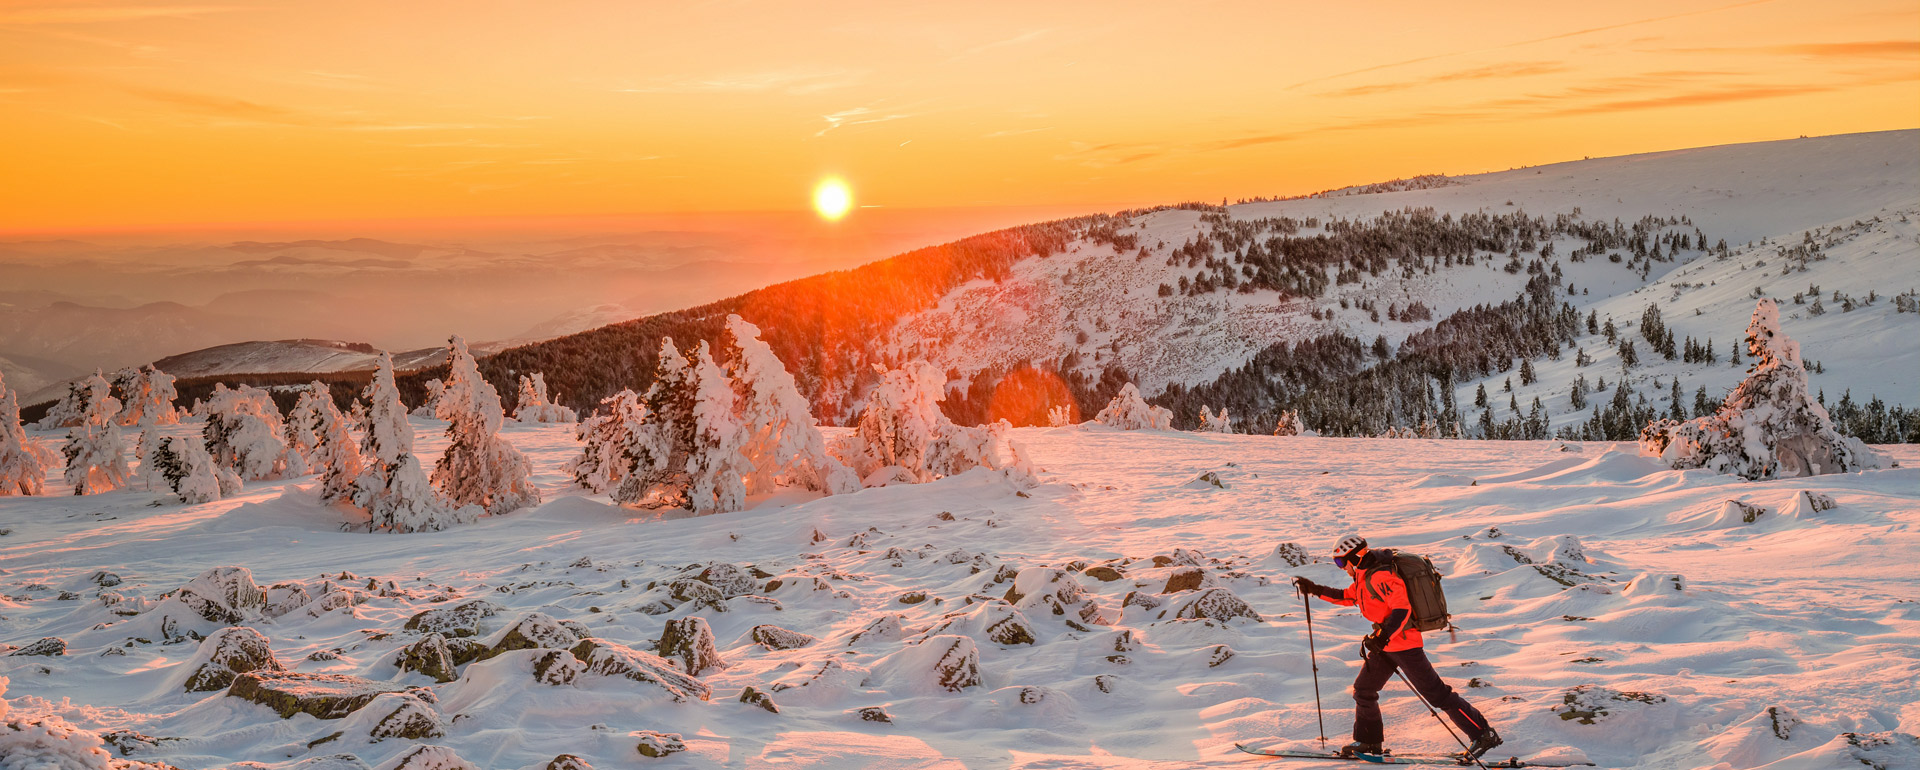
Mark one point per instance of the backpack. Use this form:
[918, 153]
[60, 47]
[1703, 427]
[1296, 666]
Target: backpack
[1423, 589]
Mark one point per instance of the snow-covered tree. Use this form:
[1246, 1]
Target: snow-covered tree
[1289, 425]
[782, 442]
[427, 408]
[534, 405]
[301, 430]
[243, 432]
[1128, 411]
[716, 469]
[23, 462]
[95, 451]
[71, 409]
[191, 473]
[318, 427]
[479, 467]
[604, 461]
[394, 488]
[1770, 426]
[659, 449]
[903, 436]
[1060, 416]
[149, 398]
[1212, 423]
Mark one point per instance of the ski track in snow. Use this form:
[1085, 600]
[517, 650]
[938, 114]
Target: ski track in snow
[1813, 614]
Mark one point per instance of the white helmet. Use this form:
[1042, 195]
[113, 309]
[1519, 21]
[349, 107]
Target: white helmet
[1349, 544]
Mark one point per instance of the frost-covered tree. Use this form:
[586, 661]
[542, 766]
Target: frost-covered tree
[1128, 411]
[318, 426]
[95, 451]
[479, 467]
[243, 432]
[394, 488]
[1770, 426]
[149, 398]
[302, 427]
[659, 450]
[903, 436]
[1060, 416]
[70, 410]
[716, 468]
[191, 473]
[427, 408]
[534, 406]
[782, 442]
[1289, 424]
[23, 462]
[1215, 423]
[604, 461]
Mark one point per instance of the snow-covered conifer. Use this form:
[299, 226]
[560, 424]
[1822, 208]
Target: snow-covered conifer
[427, 408]
[1212, 423]
[149, 398]
[23, 463]
[782, 443]
[191, 473]
[534, 405]
[95, 451]
[393, 488]
[1289, 424]
[1128, 411]
[243, 432]
[479, 467]
[1060, 416]
[900, 423]
[1770, 426]
[603, 461]
[70, 410]
[716, 469]
[659, 449]
[320, 429]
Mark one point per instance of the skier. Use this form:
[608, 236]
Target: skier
[1394, 644]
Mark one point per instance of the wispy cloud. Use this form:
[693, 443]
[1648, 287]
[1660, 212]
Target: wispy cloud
[858, 116]
[1015, 132]
[1489, 72]
[1856, 49]
[242, 111]
[794, 82]
[94, 14]
[1020, 39]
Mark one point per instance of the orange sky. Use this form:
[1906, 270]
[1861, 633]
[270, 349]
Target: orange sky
[134, 115]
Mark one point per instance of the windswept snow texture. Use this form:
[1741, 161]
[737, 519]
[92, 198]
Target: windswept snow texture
[1608, 609]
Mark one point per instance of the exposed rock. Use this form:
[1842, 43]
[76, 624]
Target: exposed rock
[326, 696]
[1292, 554]
[760, 699]
[1104, 573]
[51, 646]
[429, 758]
[1218, 655]
[874, 714]
[456, 621]
[283, 598]
[226, 653]
[777, 638]
[610, 659]
[1055, 590]
[225, 595]
[1124, 641]
[652, 744]
[1184, 579]
[533, 631]
[332, 600]
[729, 579]
[948, 663]
[429, 656]
[885, 628]
[568, 762]
[1106, 683]
[1032, 695]
[1588, 704]
[557, 667]
[129, 743]
[328, 762]
[1137, 599]
[690, 590]
[912, 597]
[104, 579]
[691, 642]
[1212, 604]
[995, 621]
[394, 715]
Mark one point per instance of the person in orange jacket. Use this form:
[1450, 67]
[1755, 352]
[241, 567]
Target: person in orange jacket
[1394, 644]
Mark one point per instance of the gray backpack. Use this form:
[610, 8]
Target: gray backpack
[1423, 588]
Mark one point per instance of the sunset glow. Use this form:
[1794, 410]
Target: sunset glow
[832, 198]
[145, 114]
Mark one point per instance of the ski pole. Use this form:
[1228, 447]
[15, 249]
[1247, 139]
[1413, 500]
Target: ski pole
[1307, 602]
[1443, 723]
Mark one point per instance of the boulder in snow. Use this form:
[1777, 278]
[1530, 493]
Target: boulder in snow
[777, 638]
[1213, 604]
[1056, 591]
[948, 663]
[656, 745]
[758, 698]
[51, 646]
[557, 667]
[224, 595]
[226, 653]
[690, 642]
[429, 656]
[326, 696]
[429, 758]
[616, 660]
[532, 631]
[402, 715]
[458, 620]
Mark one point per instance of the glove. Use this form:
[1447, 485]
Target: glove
[1306, 587]
[1376, 641]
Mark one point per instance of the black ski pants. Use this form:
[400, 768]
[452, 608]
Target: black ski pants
[1379, 668]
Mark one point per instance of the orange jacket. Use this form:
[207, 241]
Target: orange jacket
[1392, 596]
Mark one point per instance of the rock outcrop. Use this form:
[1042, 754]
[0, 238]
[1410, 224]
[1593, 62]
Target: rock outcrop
[225, 654]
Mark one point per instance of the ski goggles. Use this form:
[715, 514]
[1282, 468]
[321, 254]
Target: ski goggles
[1343, 561]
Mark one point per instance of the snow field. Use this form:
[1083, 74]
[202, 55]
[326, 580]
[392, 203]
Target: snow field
[1569, 566]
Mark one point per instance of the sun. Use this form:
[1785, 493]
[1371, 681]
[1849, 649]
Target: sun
[832, 198]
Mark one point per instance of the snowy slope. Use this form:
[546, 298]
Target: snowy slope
[1773, 191]
[1579, 574]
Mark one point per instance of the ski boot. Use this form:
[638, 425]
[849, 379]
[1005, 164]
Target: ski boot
[1483, 743]
[1357, 748]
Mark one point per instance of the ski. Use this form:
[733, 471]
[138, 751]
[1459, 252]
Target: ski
[1405, 759]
